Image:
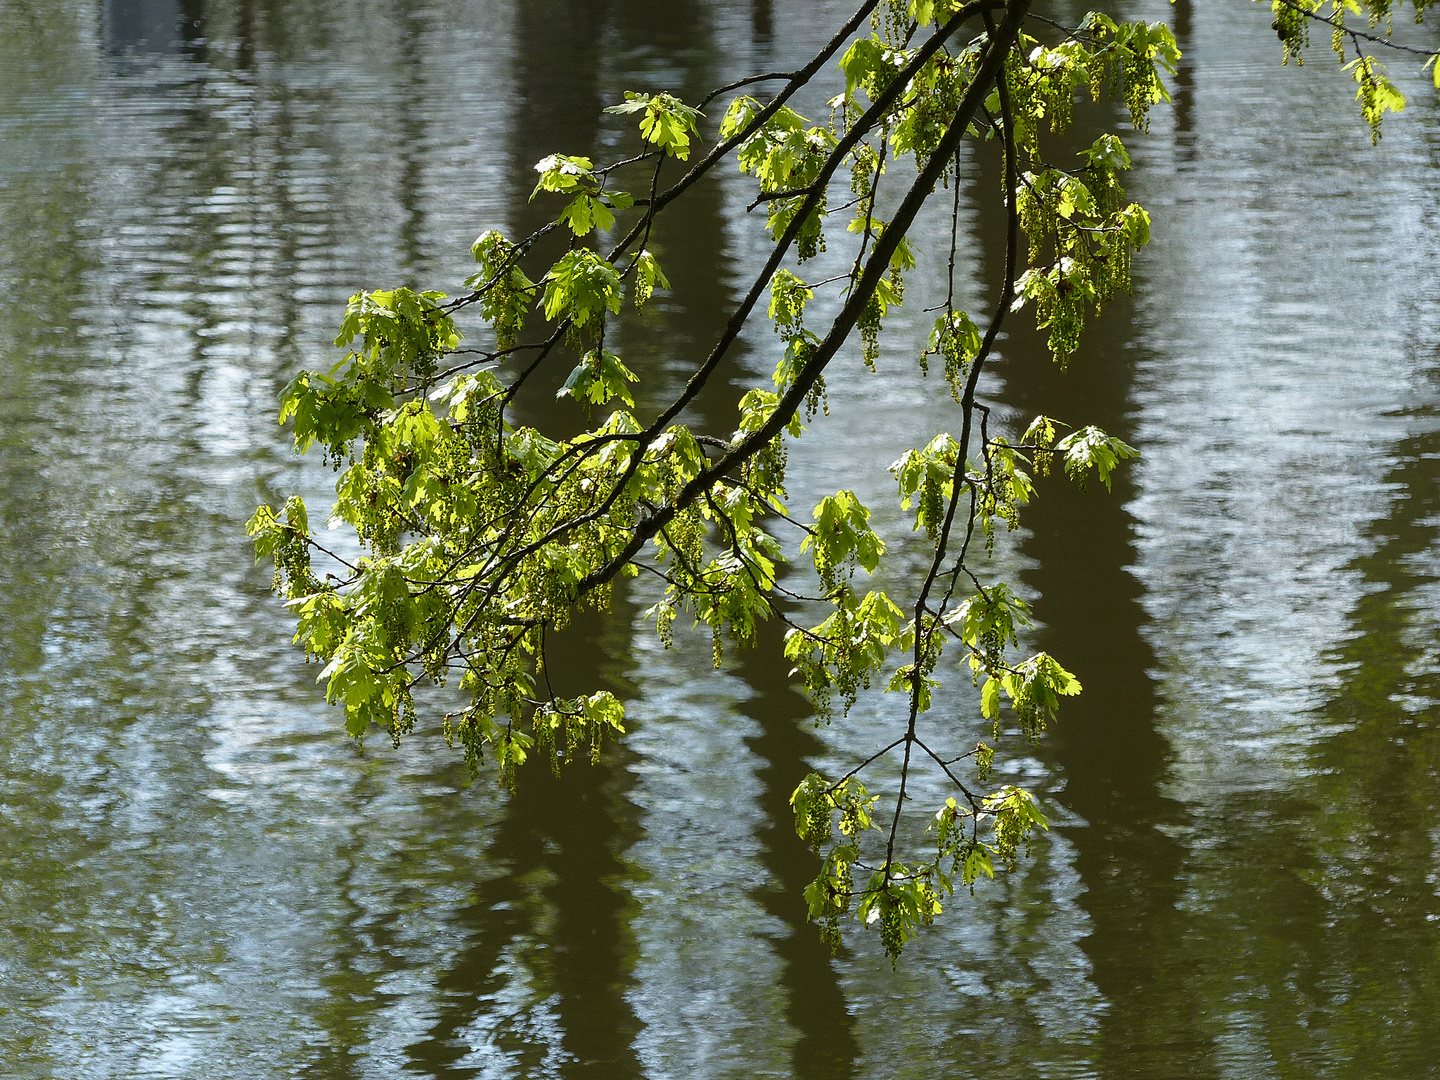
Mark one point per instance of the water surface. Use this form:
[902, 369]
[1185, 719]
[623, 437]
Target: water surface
[202, 877]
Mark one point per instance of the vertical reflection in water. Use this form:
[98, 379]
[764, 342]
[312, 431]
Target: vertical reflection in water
[548, 953]
[275, 154]
[670, 46]
[1329, 898]
[91, 773]
[689, 321]
[816, 1005]
[1375, 780]
[1324, 892]
[367, 961]
[199, 240]
[191, 31]
[558, 95]
[762, 25]
[559, 51]
[140, 25]
[589, 822]
[1182, 84]
[584, 824]
[1373, 832]
[360, 958]
[1112, 759]
[247, 17]
[410, 142]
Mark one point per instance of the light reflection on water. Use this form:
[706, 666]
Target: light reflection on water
[202, 877]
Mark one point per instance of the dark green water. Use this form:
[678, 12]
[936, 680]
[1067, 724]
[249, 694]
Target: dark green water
[199, 875]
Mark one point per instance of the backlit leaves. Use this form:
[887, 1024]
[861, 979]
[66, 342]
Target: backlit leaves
[1090, 448]
[506, 294]
[648, 277]
[842, 537]
[480, 535]
[581, 286]
[665, 121]
[845, 652]
[1376, 93]
[786, 156]
[599, 377]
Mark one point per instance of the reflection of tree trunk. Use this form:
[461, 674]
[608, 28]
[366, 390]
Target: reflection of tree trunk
[1322, 891]
[1105, 744]
[558, 94]
[762, 23]
[409, 135]
[1182, 84]
[364, 955]
[691, 242]
[816, 1004]
[560, 910]
[191, 29]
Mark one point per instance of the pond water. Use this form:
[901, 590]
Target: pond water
[202, 877]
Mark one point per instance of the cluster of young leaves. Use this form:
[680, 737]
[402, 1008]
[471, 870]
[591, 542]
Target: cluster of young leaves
[665, 121]
[591, 207]
[1080, 231]
[897, 899]
[505, 294]
[1014, 816]
[400, 335]
[845, 652]
[956, 340]
[816, 806]
[786, 157]
[788, 297]
[480, 536]
[933, 84]
[1375, 92]
[438, 500]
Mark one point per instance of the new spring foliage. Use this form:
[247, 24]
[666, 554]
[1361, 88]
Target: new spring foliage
[479, 536]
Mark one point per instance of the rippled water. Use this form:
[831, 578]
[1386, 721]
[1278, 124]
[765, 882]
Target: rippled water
[202, 877]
